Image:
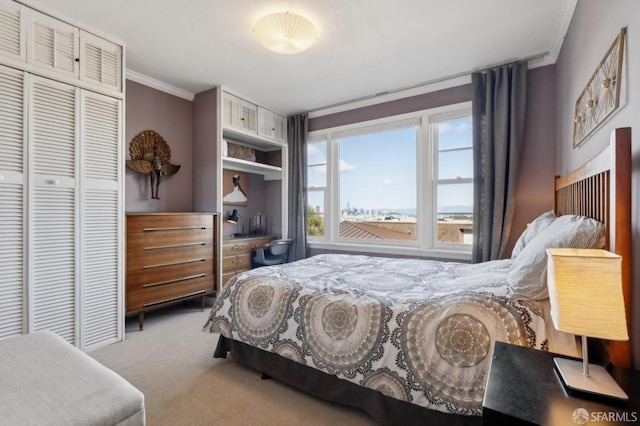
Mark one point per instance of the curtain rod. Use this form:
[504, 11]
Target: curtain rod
[530, 60]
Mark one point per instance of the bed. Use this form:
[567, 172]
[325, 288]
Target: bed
[410, 340]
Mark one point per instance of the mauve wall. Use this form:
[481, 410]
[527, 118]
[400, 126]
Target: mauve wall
[435, 99]
[594, 26]
[170, 116]
[535, 184]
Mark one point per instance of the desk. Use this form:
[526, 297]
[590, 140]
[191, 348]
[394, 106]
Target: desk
[523, 388]
[236, 253]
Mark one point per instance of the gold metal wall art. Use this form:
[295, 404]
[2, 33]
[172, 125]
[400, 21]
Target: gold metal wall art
[601, 96]
[150, 155]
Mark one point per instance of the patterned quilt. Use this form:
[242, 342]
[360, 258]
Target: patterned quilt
[416, 330]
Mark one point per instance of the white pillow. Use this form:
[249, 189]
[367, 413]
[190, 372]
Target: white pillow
[538, 225]
[528, 273]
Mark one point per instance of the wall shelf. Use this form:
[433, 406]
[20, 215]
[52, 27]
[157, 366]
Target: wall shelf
[251, 139]
[269, 172]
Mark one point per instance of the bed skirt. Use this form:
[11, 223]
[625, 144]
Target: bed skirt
[384, 410]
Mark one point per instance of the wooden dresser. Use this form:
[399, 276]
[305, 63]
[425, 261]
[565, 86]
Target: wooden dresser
[236, 254]
[170, 257]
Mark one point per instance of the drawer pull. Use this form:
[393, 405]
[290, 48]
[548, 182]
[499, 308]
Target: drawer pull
[202, 259]
[191, 277]
[146, 305]
[177, 228]
[199, 243]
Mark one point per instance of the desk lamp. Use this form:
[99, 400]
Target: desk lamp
[585, 292]
[233, 218]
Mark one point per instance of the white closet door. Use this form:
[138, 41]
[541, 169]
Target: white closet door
[12, 209]
[52, 130]
[53, 44]
[100, 61]
[13, 43]
[100, 205]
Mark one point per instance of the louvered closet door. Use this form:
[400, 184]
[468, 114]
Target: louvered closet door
[100, 207]
[12, 210]
[100, 61]
[12, 41]
[53, 44]
[52, 140]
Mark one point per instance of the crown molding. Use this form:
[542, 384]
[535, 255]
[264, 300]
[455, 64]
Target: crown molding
[568, 9]
[159, 85]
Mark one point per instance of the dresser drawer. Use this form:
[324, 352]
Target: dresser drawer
[166, 257]
[231, 247]
[240, 260]
[168, 239]
[158, 276]
[140, 223]
[151, 296]
[260, 242]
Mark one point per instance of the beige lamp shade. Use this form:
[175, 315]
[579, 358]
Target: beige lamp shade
[585, 292]
[286, 32]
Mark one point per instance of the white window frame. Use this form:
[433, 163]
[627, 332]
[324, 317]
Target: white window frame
[310, 140]
[432, 127]
[425, 244]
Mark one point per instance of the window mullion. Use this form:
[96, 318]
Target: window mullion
[332, 223]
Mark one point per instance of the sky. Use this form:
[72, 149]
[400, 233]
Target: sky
[378, 171]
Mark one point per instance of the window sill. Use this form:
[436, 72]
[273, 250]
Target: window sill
[369, 249]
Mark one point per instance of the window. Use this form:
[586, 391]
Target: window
[394, 185]
[377, 185]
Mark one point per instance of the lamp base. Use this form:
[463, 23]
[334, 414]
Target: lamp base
[598, 382]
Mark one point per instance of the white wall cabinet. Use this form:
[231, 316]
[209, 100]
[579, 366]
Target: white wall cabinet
[38, 42]
[52, 44]
[61, 189]
[271, 125]
[251, 119]
[12, 31]
[240, 114]
[100, 61]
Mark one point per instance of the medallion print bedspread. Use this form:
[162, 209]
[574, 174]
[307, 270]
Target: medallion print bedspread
[416, 330]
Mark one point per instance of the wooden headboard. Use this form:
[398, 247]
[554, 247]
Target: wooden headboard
[601, 189]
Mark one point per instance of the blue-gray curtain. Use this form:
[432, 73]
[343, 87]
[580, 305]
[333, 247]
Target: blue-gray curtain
[298, 128]
[498, 111]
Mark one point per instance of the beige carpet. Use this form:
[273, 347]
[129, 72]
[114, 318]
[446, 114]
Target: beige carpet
[171, 362]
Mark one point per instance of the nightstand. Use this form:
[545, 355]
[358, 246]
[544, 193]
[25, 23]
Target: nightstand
[523, 389]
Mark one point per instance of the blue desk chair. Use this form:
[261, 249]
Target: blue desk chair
[273, 253]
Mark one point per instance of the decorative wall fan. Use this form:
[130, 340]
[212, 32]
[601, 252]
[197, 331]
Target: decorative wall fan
[150, 155]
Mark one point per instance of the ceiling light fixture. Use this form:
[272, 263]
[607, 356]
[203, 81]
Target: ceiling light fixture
[285, 33]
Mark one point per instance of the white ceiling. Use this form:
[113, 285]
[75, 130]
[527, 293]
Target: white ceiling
[365, 47]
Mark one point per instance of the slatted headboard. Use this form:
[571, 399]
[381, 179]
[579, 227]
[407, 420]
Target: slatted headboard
[601, 189]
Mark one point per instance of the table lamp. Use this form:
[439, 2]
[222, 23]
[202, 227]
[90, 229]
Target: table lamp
[585, 292]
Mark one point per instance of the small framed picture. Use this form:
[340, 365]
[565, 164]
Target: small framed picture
[235, 188]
